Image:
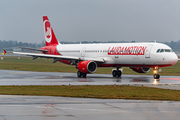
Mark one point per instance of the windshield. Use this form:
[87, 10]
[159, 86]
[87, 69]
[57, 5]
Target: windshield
[164, 50]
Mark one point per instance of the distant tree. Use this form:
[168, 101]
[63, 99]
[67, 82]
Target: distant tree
[11, 43]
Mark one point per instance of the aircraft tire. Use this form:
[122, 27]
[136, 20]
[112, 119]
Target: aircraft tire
[79, 74]
[118, 74]
[84, 75]
[114, 73]
[156, 76]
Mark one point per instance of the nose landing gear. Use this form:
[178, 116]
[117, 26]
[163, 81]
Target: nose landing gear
[156, 75]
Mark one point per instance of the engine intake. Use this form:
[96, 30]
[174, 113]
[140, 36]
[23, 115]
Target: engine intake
[141, 69]
[87, 66]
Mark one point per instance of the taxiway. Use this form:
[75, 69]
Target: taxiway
[55, 108]
[62, 108]
[13, 77]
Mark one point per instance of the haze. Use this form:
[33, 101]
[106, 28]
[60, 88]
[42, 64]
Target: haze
[91, 20]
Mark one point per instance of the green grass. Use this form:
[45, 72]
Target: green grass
[46, 65]
[41, 64]
[89, 91]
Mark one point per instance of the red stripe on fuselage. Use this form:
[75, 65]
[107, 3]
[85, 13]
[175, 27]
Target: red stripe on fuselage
[131, 65]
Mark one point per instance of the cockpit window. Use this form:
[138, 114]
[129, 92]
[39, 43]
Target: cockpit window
[167, 50]
[164, 50]
[158, 50]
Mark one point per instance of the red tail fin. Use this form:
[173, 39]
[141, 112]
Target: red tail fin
[4, 51]
[50, 37]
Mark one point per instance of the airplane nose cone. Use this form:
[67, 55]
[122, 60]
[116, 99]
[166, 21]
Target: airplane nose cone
[173, 59]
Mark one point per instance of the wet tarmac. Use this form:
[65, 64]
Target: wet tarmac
[62, 108]
[55, 108]
[13, 77]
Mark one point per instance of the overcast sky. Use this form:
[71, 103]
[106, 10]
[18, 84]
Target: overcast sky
[91, 20]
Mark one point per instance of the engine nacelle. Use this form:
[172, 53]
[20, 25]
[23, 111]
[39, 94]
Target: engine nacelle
[87, 66]
[141, 69]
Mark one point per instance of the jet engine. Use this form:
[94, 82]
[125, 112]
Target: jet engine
[87, 66]
[141, 69]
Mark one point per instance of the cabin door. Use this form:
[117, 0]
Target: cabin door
[83, 52]
[147, 52]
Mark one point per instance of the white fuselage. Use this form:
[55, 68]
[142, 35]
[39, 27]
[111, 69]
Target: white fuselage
[123, 54]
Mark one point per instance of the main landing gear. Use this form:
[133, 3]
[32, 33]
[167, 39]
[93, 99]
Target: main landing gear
[116, 73]
[81, 74]
[156, 75]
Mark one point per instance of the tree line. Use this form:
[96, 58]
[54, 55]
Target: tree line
[175, 45]
[10, 45]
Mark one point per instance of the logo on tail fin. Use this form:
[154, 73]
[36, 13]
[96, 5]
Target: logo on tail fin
[50, 37]
[48, 33]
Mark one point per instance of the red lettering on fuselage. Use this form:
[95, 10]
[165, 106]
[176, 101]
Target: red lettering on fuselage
[127, 50]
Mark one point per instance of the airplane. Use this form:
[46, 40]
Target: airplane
[139, 57]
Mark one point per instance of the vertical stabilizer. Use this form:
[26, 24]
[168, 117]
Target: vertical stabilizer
[50, 37]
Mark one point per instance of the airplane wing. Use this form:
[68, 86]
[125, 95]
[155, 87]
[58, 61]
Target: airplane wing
[59, 57]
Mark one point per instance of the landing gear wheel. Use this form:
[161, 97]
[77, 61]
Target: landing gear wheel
[84, 75]
[155, 70]
[116, 73]
[156, 76]
[79, 74]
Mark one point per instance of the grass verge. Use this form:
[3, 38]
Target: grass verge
[45, 65]
[89, 91]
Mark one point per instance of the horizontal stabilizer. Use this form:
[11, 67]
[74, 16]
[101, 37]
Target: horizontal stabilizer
[33, 49]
